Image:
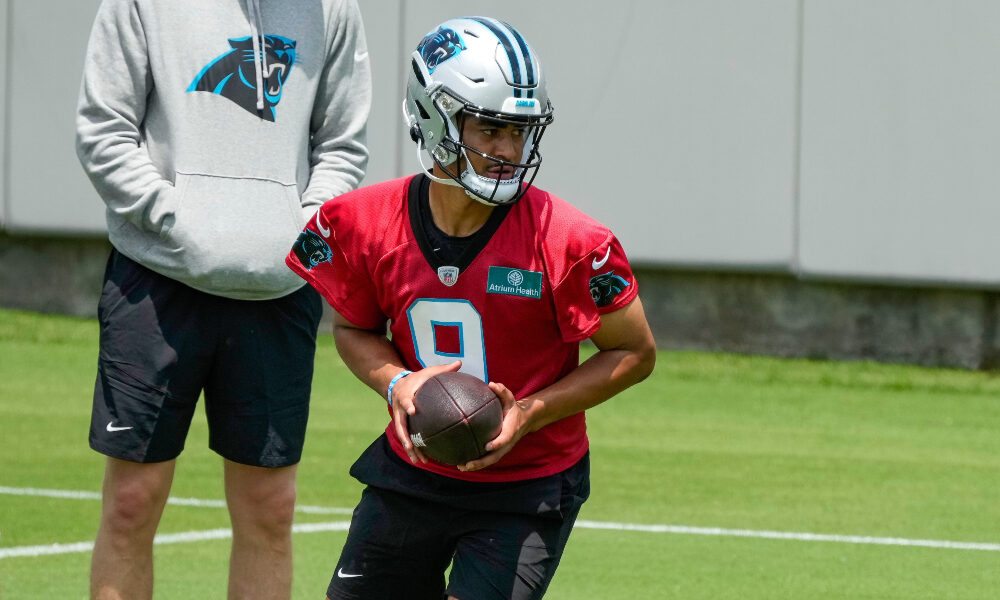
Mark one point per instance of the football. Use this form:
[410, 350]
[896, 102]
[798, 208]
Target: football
[456, 414]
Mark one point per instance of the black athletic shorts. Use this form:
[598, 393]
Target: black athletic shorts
[503, 540]
[162, 343]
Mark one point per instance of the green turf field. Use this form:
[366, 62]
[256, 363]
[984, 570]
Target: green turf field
[719, 477]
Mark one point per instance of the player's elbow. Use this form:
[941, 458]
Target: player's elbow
[644, 360]
[638, 362]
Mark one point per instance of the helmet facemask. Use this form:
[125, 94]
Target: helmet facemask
[513, 177]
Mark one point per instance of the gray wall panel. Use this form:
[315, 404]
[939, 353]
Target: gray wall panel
[675, 121]
[687, 147]
[385, 130]
[4, 38]
[48, 189]
[900, 140]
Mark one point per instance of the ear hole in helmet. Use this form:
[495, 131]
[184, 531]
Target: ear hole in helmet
[417, 73]
[422, 111]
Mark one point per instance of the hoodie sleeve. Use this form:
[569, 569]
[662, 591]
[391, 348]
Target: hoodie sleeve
[339, 153]
[111, 107]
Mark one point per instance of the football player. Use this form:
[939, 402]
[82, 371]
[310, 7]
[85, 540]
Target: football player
[466, 266]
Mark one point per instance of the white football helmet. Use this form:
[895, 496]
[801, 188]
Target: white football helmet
[482, 67]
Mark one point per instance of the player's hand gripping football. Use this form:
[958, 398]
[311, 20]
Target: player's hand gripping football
[402, 404]
[515, 425]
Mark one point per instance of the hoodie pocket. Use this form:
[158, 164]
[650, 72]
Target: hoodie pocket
[230, 235]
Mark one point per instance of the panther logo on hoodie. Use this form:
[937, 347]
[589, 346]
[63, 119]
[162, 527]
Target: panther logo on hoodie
[234, 74]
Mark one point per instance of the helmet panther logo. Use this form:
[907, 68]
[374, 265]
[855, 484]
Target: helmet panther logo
[311, 249]
[604, 288]
[439, 46]
[233, 76]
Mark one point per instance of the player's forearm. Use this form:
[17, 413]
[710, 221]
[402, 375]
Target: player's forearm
[369, 355]
[626, 355]
[598, 379]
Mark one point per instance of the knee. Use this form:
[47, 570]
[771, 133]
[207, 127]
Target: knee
[269, 509]
[278, 506]
[131, 508]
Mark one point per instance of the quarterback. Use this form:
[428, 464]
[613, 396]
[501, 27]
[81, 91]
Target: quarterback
[467, 266]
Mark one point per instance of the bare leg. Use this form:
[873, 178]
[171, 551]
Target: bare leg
[261, 506]
[134, 497]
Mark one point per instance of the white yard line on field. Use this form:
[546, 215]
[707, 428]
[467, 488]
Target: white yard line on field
[163, 538]
[789, 535]
[84, 495]
[212, 534]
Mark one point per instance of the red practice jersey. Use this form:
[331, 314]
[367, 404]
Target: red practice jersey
[514, 314]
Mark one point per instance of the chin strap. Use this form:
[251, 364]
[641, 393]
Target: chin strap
[429, 171]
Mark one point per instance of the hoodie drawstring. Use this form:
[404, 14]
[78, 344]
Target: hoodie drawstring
[259, 55]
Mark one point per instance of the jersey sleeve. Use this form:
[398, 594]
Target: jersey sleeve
[334, 266]
[596, 283]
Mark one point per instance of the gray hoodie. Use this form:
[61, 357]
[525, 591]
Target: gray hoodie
[210, 162]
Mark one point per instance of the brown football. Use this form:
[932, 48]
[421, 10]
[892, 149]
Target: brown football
[456, 415]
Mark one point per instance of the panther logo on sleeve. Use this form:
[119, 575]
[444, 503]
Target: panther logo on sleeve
[604, 288]
[233, 75]
[311, 249]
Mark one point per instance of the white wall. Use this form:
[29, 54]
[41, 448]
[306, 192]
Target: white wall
[844, 139]
[3, 113]
[383, 21]
[46, 189]
[666, 112]
[901, 140]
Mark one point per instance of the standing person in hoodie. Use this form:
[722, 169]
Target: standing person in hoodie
[212, 131]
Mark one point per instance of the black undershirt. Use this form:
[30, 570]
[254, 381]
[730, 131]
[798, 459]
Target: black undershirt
[446, 248]
[439, 248]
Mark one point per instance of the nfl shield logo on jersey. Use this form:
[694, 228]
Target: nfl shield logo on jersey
[448, 275]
